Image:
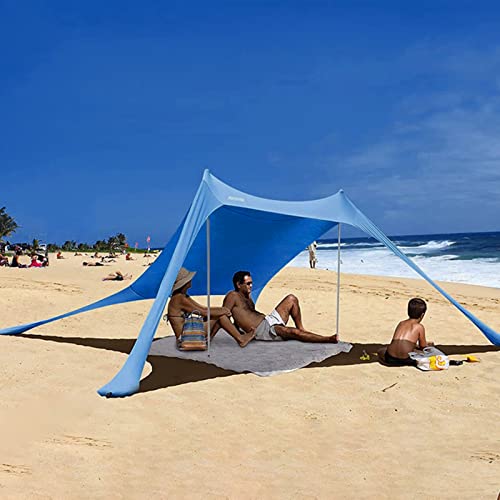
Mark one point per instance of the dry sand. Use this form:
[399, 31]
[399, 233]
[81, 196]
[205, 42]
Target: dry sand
[345, 428]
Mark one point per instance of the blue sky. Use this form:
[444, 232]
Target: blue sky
[110, 111]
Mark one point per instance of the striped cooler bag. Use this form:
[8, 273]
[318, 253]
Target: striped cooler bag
[193, 337]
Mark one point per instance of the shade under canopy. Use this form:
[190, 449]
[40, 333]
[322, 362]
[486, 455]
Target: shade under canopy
[247, 233]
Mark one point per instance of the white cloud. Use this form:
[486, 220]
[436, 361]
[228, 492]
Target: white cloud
[441, 157]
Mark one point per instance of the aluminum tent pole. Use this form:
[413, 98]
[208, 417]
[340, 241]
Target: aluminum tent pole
[208, 283]
[338, 279]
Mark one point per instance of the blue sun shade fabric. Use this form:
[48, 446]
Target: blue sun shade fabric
[246, 233]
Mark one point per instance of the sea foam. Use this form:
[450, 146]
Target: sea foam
[379, 261]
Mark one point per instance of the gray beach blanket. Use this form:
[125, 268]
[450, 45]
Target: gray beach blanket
[261, 358]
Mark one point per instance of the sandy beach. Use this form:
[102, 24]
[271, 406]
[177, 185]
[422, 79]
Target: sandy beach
[343, 428]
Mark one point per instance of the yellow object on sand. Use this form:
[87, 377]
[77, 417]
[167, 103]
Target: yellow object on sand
[365, 356]
[472, 359]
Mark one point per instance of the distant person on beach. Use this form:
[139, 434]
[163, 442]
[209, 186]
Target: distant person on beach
[408, 336]
[93, 264]
[273, 326]
[4, 261]
[38, 260]
[312, 255]
[181, 304]
[15, 261]
[35, 262]
[129, 257]
[117, 276]
[59, 255]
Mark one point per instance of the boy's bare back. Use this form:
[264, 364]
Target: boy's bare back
[409, 334]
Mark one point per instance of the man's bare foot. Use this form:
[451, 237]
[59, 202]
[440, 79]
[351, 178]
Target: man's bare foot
[334, 339]
[246, 338]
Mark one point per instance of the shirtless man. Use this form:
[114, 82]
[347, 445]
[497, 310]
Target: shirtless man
[273, 326]
[181, 304]
[408, 336]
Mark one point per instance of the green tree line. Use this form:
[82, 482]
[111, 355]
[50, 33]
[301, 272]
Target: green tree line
[114, 243]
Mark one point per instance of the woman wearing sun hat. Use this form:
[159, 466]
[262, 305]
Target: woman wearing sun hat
[182, 304]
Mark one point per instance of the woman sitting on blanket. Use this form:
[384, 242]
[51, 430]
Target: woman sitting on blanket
[181, 304]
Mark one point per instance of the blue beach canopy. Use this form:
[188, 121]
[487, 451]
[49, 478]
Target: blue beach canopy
[246, 232]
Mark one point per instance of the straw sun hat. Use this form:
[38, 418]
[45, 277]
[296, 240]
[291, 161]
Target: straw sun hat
[183, 277]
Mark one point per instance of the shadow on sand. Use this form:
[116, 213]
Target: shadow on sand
[169, 372]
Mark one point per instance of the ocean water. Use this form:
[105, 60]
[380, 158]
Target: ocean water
[472, 258]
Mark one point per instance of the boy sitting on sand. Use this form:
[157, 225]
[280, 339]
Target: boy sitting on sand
[408, 336]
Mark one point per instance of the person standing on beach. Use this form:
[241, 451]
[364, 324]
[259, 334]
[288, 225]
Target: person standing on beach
[408, 336]
[312, 254]
[273, 326]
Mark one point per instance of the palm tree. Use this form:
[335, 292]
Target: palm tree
[35, 245]
[122, 239]
[100, 245]
[112, 243]
[69, 245]
[7, 224]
